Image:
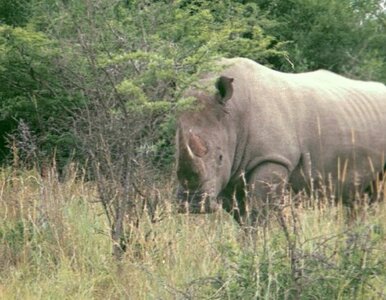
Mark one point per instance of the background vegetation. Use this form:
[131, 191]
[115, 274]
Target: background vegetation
[63, 62]
[94, 85]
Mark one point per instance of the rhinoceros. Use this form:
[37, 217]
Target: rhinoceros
[258, 130]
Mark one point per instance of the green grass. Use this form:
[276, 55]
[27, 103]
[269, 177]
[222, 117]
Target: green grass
[55, 244]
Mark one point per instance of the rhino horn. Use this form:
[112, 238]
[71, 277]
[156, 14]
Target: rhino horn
[225, 88]
[189, 151]
[183, 146]
[197, 145]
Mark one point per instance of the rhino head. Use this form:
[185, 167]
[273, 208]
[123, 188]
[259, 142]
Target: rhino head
[204, 155]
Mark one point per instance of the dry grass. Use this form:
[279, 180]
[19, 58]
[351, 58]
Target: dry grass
[55, 244]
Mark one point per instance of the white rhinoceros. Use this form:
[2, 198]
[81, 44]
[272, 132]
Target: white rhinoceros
[259, 127]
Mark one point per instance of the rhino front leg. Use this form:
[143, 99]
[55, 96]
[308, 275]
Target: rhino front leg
[266, 184]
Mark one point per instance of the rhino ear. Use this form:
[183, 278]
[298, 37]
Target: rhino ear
[225, 88]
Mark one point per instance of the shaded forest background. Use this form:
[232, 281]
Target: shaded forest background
[101, 80]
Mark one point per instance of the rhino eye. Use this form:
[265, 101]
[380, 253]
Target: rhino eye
[220, 158]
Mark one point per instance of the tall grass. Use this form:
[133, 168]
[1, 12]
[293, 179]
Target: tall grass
[55, 244]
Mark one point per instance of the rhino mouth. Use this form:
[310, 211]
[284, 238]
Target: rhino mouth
[197, 203]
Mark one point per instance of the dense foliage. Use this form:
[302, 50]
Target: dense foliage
[343, 36]
[59, 59]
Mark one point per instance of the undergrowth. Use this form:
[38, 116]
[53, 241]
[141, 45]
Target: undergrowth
[55, 244]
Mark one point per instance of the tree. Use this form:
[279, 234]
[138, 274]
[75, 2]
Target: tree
[32, 93]
[15, 13]
[343, 36]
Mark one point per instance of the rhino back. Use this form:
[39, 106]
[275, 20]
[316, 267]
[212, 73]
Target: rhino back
[316, 123]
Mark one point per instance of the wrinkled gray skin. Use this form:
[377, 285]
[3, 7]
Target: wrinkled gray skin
[260, 129]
